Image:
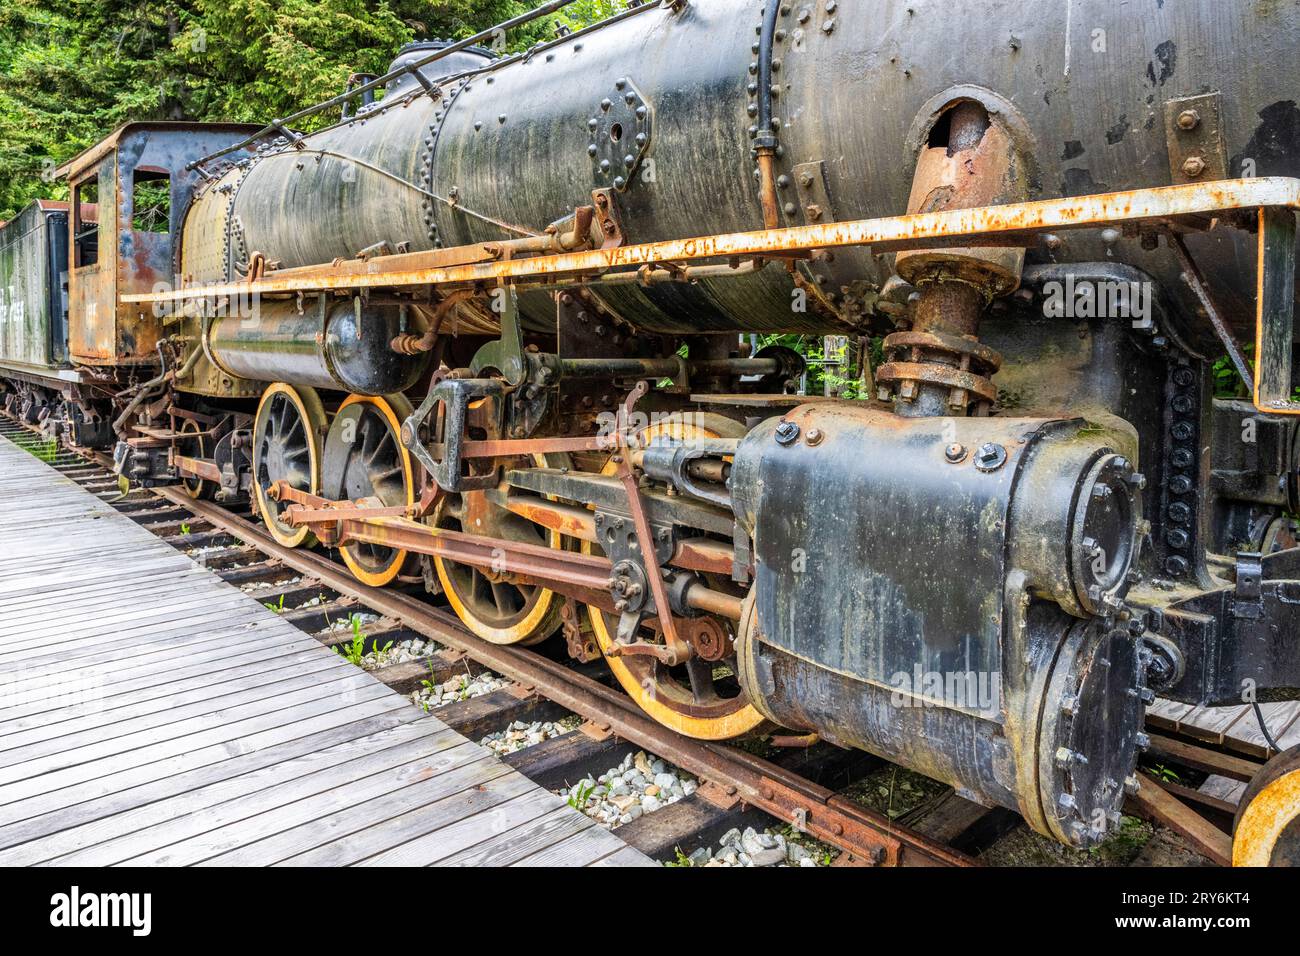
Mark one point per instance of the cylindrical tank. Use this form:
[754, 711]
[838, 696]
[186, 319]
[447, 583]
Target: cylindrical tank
[340, 345]
[666, 101]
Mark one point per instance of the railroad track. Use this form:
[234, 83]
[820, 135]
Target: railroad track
[800, 786]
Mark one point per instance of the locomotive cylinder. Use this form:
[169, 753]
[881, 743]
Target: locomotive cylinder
[973, 593]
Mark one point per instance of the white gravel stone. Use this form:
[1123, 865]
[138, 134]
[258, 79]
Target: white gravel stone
[520, 735]
[756, 848]
[402, 652]
[460, 687]
[252, 586]
[635, 787]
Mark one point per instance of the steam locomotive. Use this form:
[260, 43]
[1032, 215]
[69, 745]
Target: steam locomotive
[464, 335]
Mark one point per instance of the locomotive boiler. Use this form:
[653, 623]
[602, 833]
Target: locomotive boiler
[509, 327]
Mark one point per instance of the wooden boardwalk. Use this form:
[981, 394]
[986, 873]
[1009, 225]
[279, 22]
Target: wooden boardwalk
[152, 714]
[1234, 727]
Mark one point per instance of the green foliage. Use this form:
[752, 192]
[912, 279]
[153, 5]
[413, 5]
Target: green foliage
[276, 607]
[356, 650]
[73, 70]
[820, 374]
[1161, 772]
[1227, 383]
[579, 800]
[679, 858]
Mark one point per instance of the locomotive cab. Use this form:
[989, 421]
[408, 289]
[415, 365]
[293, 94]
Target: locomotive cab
[127, 195]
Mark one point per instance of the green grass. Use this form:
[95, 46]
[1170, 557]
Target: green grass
[579, 800]
[355, 651]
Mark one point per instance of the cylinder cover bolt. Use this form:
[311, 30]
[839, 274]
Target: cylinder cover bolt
[787, 433]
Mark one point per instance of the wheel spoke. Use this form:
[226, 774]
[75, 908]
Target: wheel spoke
[700, 674]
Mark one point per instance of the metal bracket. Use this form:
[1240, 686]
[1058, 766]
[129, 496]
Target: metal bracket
[1194, 133]
[619, 135]
[605, 202]
[1248, 601]
[506, 354]
[814, 199]
[455, 394]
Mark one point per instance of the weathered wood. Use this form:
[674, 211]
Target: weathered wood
[151, 712]
[564, 760]
[1162, 807]
[687, 825]
[1201, 758]
[479, 716]
[964, 824]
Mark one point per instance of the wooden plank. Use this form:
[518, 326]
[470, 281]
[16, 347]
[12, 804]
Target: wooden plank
[115, 733]
[347, 828]
[32, 797]
[1213, 723]
[469, 831]
[1224, 788]
[1200, 758]
[593, 844]
[35, 690]
[213, 679]
[387, 837]
[1247, 737]
[39, 838]
[151, 712]
[507, 846]
[44, 774]
[625, 857]
[1156, 804]
[195, 836]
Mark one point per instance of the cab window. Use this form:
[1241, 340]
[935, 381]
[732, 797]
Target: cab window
[151, 200]
[86, 222]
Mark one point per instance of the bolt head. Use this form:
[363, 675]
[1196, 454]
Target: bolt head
[990, 456]
[1193, 166]
[1189, 119]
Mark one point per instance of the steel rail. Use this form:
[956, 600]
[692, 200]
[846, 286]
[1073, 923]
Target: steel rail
[868, 836]
[750, 779]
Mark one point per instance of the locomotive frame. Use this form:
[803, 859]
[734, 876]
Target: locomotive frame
[655, 481]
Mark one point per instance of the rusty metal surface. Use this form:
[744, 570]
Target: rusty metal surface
[1014, 224]
[110, 331]
[816, 809]
[33, 253]
[705, 94]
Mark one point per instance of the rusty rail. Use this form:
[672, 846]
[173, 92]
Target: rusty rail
[867, 836]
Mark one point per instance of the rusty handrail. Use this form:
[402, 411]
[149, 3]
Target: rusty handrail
[1007, 224]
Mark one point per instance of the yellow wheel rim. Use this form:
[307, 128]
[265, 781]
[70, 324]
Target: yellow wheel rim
[311, 413]
[745, 719]
[1269, 813]
[393, 409]
[537, 625]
